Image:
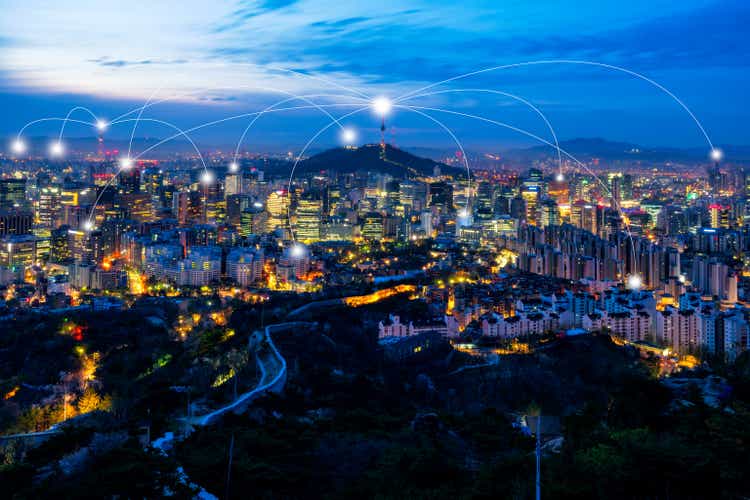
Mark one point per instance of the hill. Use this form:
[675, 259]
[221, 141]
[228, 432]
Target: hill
[367, 158]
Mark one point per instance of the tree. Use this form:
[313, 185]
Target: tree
[91, 401]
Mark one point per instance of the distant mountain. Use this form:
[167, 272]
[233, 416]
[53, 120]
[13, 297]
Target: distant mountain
[610, 150]
[367, 158]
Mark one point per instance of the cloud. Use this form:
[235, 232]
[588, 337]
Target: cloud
[120, 63]
[249, 10]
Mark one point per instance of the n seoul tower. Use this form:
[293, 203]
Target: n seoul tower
[382, 106]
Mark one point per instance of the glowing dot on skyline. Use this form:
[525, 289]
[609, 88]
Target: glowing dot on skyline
[348, 135]
[560, 177]
[101, 125]
[18, 146]
[56, 149]
[88, 225]
[234, 166]
[463, 213]
[717, 154]
[634, 282]
[382, 106]
[126, 163]
[298, 250]
[207, 177]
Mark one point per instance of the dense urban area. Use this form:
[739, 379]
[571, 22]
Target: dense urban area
[371, 322]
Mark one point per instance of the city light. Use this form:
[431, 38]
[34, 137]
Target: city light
[207, 177]
[382, 106]
[717, 154]
[560, 177]
[297, 250]
[635, 282]
[234, 167]
[348, 135]
[18, 146]
[88, 225]
[126, 163]
[56, 149]
[101, 125]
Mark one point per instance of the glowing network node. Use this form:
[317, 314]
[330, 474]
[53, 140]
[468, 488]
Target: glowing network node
[126, 163]
[382, 106]
[88, 225]
[18, 146]
[717, 154]
[635, 282]
[298, 250]
[348, 135]
[559, 177]
[207, 177]
[101, 125]
[234, 167]
[463, 213]
[56, 149]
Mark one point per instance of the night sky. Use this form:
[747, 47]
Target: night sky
[215, 61]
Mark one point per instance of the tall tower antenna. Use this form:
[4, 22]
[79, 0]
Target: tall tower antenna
[382, 106]
[100, 146]
[382, 137]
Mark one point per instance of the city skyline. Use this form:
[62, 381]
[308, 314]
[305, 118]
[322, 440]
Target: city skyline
[322, 250]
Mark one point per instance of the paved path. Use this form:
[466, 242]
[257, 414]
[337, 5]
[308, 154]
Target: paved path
[273, 374]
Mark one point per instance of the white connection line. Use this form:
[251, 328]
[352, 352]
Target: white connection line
[237, 117]
[67, 119]
[467, 208]
[323, 80]
[185, 133]
[544, 141]
[578, 62]
[305, 98]
[50, 119]
[186, 94]
[140, 114]
[125, 167]
[260, 88]
[301, 154]
[511, 96]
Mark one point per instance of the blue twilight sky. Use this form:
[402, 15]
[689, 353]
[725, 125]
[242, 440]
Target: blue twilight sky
[223, 58]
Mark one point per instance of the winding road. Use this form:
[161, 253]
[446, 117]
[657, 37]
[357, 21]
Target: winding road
[273, 373]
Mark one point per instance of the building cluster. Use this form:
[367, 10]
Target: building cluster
[671, 234]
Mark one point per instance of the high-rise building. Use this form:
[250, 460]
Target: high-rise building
[15, 221]
[583, 215]
[441, 195]
[152, 180]
[245, 266]
[277, 206]
[129, 180]
[12, 193]
[137, 206]
[549, 213]
[233, 184]
[48, 207]
[530, 194]
[309, 220]
[372, 226]
[18, 251]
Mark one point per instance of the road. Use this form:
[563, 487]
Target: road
[273, 373]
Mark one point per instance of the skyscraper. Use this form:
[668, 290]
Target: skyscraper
[309, 220]
[12, 193]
